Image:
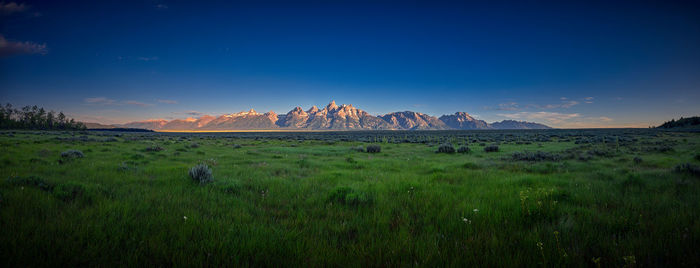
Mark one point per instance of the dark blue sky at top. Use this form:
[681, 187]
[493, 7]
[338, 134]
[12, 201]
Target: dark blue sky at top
[565, 64]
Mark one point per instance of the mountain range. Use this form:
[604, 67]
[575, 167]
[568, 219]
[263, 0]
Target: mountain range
[331, 117]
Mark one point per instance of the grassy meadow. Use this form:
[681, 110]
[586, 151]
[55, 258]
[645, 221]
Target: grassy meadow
[620, 199]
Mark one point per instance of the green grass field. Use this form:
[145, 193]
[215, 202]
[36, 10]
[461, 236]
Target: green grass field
[320, 203]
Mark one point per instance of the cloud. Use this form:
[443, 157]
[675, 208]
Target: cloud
[12, 7]
[99, 100]
[12, 48]
[147, 58]
[161, 6]
[588, 99]
[193, 113]
[563, 104]
[507, 106]
[605, 119]
[549, 117]
[137, 103]
[563, 120]
[168, 101]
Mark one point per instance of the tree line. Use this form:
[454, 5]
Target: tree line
[683, 122]
[34, 117]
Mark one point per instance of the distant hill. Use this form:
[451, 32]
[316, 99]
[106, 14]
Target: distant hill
[690, 122]
[98, 125]
[121, 129]
[512, 124]
[331, 117]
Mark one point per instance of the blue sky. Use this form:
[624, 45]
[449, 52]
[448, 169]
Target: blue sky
[586, 64]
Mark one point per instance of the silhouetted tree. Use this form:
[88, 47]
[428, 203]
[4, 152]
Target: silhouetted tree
[34, 117]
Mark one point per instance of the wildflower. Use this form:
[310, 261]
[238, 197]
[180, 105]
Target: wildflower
[467, 221]
[184, 217]
[476, 210]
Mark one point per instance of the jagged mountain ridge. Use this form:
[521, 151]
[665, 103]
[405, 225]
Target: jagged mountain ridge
[331, 117]
[462, 120]
[413, 121]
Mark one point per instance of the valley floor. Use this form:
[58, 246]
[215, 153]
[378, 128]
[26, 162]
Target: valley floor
[565, 199]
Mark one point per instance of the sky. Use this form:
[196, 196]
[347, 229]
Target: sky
[566, 64]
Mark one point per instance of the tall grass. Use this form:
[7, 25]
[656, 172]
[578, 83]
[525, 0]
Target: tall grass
[320, 204]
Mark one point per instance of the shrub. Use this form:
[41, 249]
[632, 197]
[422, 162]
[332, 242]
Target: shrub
[201, 174]
[688, 168]
[31, 181]
[463, 149]
[236, 146]
[154, 148]
[194, 145]
[374, 148]
[358, 148]
[491, 148]
[70, 154]
[585, 157]
[470, 165]
[124, 166]
[637, 160]
[446, 148]
[536, 156]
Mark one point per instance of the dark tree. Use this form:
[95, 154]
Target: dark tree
[34, 117]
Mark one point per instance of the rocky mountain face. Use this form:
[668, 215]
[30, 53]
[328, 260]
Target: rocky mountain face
[147, 124]
[344, 117]
[331, 117]
[243, 121]
[512, 124]
[189, 123]
[462, 120]
[413, 121]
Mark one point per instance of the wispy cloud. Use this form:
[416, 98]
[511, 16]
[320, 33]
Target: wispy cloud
[161, 6]
[193, 113]
[140, 58]
[147, 58]
[138, 103]
[168, 101]
[506, 106]
[12, 48]
[108, 101]
[605, 119]
[12, 7]
[99, 100]
[564, 105]
[549, 117]
[588, 99]
[563, 120]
